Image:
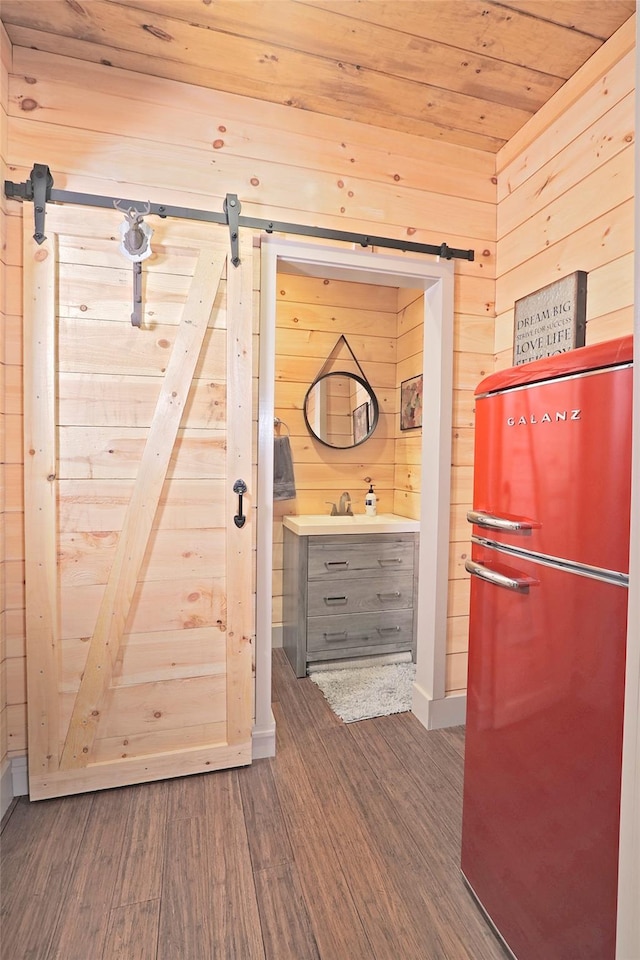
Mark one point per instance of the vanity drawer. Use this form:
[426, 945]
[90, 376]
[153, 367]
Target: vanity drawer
[362, 558]
[371, 594]
[338, 635]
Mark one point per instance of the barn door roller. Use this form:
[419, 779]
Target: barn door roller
[36, 188]
[232, 208]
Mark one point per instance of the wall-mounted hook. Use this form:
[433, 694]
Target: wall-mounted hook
[135, 234]
[135, 244]
[277, 422]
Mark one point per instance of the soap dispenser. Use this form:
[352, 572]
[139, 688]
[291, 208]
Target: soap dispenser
[370, 502]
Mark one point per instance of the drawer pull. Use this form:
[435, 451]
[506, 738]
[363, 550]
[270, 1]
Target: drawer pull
[336, 563]
[336, 599]
[383, 560]
[395, 595]
[382, 630]
[343, 635]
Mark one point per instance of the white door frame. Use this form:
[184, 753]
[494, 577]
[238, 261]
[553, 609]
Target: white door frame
[435, 277]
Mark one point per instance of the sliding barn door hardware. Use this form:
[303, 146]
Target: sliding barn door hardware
[39, 188]
[231, 207]
[36, 188]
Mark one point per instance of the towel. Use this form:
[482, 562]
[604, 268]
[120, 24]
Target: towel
[284, 487]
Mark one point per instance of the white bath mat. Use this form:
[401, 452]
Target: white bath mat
[359, 693]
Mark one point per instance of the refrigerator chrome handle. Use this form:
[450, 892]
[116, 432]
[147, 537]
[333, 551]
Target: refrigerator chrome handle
[497, 579]
[492, 522]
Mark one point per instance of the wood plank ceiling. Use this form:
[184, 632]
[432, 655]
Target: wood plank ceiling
[468, 72]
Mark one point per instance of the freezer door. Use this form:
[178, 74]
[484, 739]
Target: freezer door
[552, 468]
[543, 756]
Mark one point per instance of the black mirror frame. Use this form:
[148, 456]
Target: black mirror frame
[374, 406]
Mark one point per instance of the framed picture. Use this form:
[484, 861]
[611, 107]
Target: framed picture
[361, 423]
[411, 403]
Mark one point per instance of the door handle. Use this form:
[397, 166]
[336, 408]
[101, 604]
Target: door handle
[519, 584]
[239, 487]
[500, 523]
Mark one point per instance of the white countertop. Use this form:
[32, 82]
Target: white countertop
[317, 524]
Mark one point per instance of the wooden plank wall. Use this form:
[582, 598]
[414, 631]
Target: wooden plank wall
[565, 197]
[168, 142]
[311, 315]
[408, 443]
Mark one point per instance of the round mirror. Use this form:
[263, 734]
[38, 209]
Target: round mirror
[340, 409]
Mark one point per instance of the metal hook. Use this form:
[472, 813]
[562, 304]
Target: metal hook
[135, 237]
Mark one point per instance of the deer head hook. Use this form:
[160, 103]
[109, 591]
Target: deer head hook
[135, 235]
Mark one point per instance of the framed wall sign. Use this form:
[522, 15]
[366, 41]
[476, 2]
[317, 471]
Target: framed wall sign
[411, 403]
[551, 320]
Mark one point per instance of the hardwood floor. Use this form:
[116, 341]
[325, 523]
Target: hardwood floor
[345, 846]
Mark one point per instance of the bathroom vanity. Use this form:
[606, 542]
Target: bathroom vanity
[349, 587]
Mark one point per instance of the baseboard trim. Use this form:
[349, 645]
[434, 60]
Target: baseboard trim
[6, 787]
[263, 740]
[14, 782]
[449, 711]
[277, 636]
[20, 776]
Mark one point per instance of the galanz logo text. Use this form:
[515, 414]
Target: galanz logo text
[560, 416]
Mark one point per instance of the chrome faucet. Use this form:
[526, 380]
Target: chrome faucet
[344, 509]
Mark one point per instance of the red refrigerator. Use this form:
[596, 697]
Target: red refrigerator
[549, 578]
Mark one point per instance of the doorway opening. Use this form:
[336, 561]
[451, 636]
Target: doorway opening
[433, 279]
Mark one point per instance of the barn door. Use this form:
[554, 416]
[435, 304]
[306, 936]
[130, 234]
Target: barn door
[139, 605]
